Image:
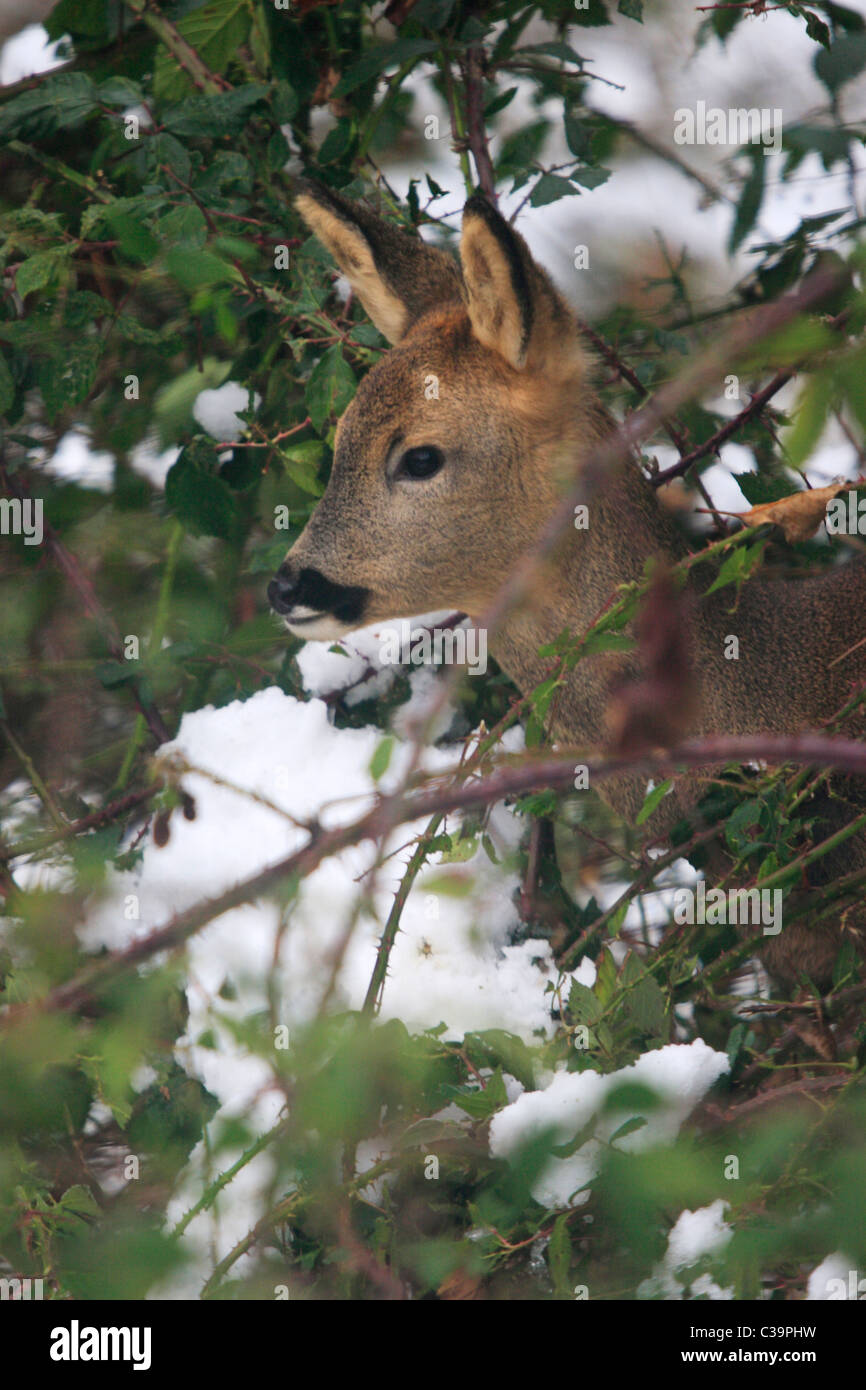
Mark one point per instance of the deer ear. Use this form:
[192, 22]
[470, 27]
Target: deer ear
[512, 305]
[397, 277]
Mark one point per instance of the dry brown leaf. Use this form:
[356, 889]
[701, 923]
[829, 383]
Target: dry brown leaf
[460, 1285]
[799, 515]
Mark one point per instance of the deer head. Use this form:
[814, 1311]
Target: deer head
[452, 452]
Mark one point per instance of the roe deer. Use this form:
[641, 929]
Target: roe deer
[433, 497]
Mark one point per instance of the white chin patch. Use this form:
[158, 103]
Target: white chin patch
[325, 628]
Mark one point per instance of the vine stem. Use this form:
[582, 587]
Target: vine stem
[222, 1180]
[458, 127]
[373, 997]
[157, 633]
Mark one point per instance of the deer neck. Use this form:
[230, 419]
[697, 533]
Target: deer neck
[627, 526]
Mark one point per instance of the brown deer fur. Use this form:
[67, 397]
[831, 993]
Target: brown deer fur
[514, 415]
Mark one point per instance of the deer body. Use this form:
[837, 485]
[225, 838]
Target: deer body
[435, 493]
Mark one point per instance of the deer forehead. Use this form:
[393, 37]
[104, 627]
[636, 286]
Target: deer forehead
[441, 386]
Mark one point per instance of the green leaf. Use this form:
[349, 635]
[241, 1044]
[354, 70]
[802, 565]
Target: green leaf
[302, 462]
[66, 379]
[629, 1126]
[199, 498]
[844, 60]
[216, 32]
[550, 188]
[493, 108]
[42, 271]
[590, 178]
[757, 488]
[750, 203]
[652, 800]
[7, 386]
[330, 388]
[381, 759]
[183, 226]
[830, 142]
[482, 1104]
[376, 60]
[730, 571]
[214, 114]
[606, 642]
[120, 91]
[434, 14]
[58, 103]
[742, 819]
[554, 48]
[583, 1005]
[817, 29]
[736, 1038]
[136, 241]
[496, 1046]
[337, 142]
[647, 1008]
[84, 17]
[196, 269]
[578, 134]
[818, 397]
[78, 1200]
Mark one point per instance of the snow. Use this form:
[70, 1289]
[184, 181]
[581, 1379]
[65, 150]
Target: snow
[695, 1236]
[215, 410]
[836, 1279]
[28, 51]
[452, 962]
[680, 1074]
[261, 766]
[75, 461]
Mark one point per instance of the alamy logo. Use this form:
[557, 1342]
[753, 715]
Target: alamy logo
[461, 646]
[736, 126]
[16, 1290]
[76, 1343]
[846, 516]
[748, 907]
[22, 517]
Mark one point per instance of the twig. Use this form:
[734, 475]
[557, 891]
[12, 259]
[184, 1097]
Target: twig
[182, 51]
[458, 130]
[671, 427]
[711, 445]
[93, 821]
[373, 997]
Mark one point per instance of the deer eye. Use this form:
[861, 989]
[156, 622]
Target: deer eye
[422, 462]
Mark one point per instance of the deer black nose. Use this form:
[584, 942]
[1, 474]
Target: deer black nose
[283, 590]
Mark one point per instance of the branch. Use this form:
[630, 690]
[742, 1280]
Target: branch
[473, 76]
[508, 780]
[755, 406]
[672, 428]
[392, 926]
[183, 53]
[711, 445]
[94, 821]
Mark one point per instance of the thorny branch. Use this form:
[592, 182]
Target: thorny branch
[554, 773]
